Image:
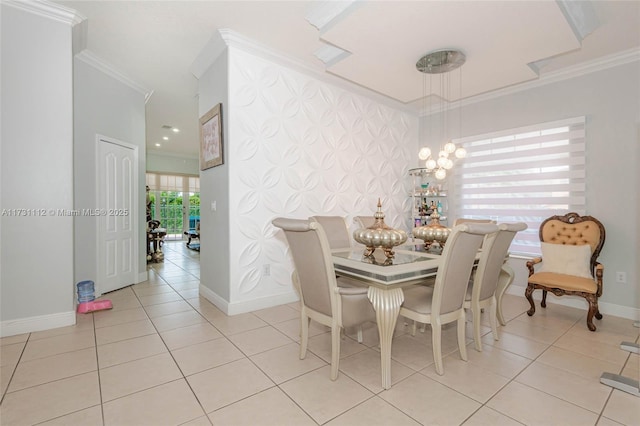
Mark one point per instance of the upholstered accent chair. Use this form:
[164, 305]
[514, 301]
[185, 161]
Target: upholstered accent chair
[570, 245]
[314, 278]
[336, 229]
[444, 302]
[482, 290]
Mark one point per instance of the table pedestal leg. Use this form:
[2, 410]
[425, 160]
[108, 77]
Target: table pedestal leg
[387, 306]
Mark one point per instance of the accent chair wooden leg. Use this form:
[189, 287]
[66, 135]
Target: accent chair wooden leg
[527, 294]
[592, 310]
[544, 299]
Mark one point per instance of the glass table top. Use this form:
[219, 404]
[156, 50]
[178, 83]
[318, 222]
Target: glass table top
[378, 257]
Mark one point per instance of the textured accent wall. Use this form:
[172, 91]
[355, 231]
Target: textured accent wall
[299, 147]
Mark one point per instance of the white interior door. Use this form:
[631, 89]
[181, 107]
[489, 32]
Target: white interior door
[116, 215]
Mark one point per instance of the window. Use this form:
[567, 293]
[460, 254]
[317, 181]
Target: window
[175, 202]
[523, 175]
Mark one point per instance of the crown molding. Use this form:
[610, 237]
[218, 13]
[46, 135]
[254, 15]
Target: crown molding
[48, 10]
[323, 15]
[100, 64]
[600, 64]
[235, 40]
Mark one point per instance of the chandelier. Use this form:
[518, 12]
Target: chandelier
[441, 62]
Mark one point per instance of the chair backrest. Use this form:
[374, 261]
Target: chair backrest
[462, 220]
[312, 260]
[336, 229]
[364, 221]
[573, 229]
[494, 252]
[458, 257]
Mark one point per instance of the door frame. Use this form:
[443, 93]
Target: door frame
[133, 213]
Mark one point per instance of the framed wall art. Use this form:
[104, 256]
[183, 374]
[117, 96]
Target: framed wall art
[211, 142]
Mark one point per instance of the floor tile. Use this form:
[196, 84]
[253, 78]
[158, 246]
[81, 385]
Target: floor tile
[168, 404]
[272, 405]
[364, 367]
[509, 401]
[55, 367]
[126, 331]
[10, 354]
[518, 345]
[168, 308]
[498, 361]
[284, 363]
[277, 314]
[51, 400]
[110, 317]
[259, 340]
[177, 320]
[485, 416]
[373, 411]
[88, 417]
[191, 335]
[130, 350]
[11, 340]
[203, 356]
[156, 299]
[322, 398]
[577, 363]
[623, 407]
[430, 402]
[134, 376]
[230, 325]
[229, 383]
[58, 344]
[583, 392]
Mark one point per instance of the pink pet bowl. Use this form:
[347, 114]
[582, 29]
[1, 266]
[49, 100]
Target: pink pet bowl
[94, 305]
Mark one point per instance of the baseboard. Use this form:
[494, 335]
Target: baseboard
[580, 303]
[231, 308]
[39, 323]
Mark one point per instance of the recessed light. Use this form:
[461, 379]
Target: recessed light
[175, 130]
[158, 144]
[166, 138]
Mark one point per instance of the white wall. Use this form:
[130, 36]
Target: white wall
[214, 187]
[172, 163]
[609, 100]
[106, 106]
[36, 252]
[297, 146]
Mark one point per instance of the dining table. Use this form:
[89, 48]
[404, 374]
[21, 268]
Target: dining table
[385, 278]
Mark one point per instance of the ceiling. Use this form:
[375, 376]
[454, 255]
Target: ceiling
[373, 44]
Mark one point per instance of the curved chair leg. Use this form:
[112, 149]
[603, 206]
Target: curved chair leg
[436, 341]
[304, 334]
[505, 279]
[592, 310]
[527, 294]
[475, 311]
[335, 351]
[544, 299]
[360, 334]
[598, 315]
[462, 344]
[493, 320]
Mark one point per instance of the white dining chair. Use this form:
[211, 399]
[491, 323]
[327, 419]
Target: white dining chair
[481, 293]
[336, 229]
[314, 278]
[444, 302]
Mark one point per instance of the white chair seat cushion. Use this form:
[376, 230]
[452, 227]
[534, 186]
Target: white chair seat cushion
[418, 299]
[565, 282]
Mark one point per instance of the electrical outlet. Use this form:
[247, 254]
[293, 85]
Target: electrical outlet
[266, 270]
[621, 277]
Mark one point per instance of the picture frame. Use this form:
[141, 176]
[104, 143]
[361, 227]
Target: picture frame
[211, 139]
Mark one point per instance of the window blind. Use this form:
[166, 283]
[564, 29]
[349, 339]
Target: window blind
[177, 183]
[523, 175]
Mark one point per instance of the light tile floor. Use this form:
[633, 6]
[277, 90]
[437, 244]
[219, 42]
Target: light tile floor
[164, 356]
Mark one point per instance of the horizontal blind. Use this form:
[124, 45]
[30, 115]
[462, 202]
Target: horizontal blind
[176, 183]
[523, 175]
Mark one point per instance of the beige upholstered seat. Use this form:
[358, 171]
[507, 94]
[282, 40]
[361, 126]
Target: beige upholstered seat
[481, 293]
[336, 229]
[444, 302]
[574, 270]
[314, 278]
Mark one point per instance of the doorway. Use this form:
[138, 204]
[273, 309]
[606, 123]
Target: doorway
[117, 214]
